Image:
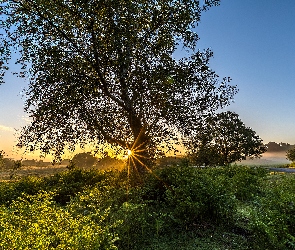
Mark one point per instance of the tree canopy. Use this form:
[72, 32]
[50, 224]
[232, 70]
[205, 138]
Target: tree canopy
[291, 154]
[225, 139]
[84, 160]
[105, 71]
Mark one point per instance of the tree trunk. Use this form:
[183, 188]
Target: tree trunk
[140, 158]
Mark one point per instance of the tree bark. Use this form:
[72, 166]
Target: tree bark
[141, 159]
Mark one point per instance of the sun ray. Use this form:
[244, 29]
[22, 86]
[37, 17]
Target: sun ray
[137, 146]
[139, 150]
[143, 164]
[132, 154]
[138, 136]
[141, 156]
[151, 172]
[135, 169]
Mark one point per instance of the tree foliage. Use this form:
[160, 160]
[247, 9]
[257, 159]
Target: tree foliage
[225, 139]
[1, 158]
[291, 155]
[105, 71]
[84, 160]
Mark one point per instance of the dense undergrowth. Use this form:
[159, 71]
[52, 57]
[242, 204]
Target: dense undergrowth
[178, 207]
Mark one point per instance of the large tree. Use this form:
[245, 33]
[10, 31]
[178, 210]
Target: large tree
[105, 71]
[224, 139]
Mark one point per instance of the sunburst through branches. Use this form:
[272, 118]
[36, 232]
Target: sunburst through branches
[135, 156]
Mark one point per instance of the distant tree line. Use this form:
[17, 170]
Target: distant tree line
[88, 160]
[278, 147]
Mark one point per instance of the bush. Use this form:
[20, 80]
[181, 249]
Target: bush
[273, 219]
[68, 184]
[10, 191]
[136, 225]
[104, 210]
[36, 222]
[65, 185]
[245, 181]
[192, 195]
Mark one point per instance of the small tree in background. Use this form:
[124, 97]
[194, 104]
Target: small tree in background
[291, 155]
[1, 158]
[84, 160]
[110, 163]
[224, 139]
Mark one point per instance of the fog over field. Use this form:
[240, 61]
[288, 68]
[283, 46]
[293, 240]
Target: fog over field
[268, 158]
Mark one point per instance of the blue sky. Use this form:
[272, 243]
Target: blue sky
[253, 43]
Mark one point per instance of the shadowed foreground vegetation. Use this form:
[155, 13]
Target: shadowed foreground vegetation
[182, 207]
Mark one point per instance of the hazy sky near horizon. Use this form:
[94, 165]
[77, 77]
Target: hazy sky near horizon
[253, 43]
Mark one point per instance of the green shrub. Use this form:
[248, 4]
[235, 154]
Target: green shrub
[192, 195]
[245, 181]
[36, 222]
[65, 185]
[10, 191]
[105, 211]
[289, 165]
[273, 219]
[136, 225]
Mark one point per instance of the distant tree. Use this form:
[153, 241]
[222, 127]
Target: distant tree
[110, 163]
[278, 147]
[105, 71]
[12, 165]
[1, 158]
[8, 163]
[32, 162]
[84, 160]
[273, 147]
[225, 139]
[291, 155]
